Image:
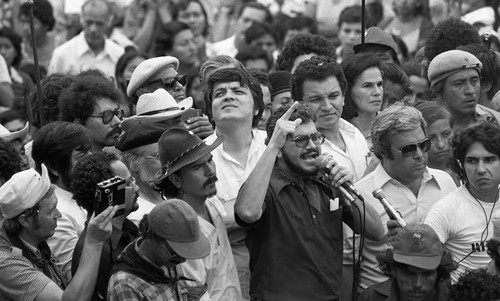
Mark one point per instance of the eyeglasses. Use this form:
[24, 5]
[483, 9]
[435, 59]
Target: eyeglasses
[410, 149]
[173, 256]
[303, 140]
[107, 116]
[170, 82]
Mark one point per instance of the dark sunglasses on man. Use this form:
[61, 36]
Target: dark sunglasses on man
[169, 83]
[408, 150]
[107, 116]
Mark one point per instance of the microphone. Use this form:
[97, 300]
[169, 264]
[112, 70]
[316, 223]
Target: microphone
[322, 163]
[391, 212]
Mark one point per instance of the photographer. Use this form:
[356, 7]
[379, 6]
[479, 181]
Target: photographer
[90, 171]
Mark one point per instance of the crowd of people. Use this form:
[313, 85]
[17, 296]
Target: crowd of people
[249, 150]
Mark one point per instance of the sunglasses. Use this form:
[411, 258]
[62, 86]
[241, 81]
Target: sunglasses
[170, 82]
[303, 140]
[107, 116]
[410, 149]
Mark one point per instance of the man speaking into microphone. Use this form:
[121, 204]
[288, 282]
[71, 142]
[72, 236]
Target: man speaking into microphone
[293, 218]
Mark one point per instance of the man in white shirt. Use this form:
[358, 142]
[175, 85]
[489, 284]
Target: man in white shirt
[235, 106]
[59, 145]
[91, 49]
[400, 142]
[463, 219]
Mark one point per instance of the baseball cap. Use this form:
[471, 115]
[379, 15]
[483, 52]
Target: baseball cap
[450, 62]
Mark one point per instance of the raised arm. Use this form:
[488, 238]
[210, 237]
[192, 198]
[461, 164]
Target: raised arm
[250, 199]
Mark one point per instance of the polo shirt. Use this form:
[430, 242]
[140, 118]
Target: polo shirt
[435, 184]
[75, 56]
[296, 245]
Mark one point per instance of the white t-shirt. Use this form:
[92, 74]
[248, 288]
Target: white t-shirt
[459, 220]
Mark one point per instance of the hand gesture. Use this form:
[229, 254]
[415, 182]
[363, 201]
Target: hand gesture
[284, 127]
[100, 227]
[200, 126]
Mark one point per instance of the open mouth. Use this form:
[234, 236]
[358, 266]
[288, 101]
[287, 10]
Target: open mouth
[309, 157]
[228, 106]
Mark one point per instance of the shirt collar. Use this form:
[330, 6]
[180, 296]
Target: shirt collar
[34, 250]
[381, 177]
[83, 47]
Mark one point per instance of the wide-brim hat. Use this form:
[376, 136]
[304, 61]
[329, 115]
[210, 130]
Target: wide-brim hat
[147, 69]
[176, 222]
[417, 245]
[377, 36]
[178, 148]
[157, 106]
[142, 133]
[7, 135]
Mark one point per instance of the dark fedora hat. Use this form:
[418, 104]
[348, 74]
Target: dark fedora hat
[178, 148]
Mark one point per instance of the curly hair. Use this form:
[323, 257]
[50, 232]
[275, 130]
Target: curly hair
[78, 100]
[52, 87]
[10, 161]
[492, 249]
[300, 45]
[448, 35]
[42, 10]
[476, 285]
[317, 69]
[353, 67]
[16, 41]
[89, 171]
[301, 111]
[485, 133]
[394, 119]
[242, 76]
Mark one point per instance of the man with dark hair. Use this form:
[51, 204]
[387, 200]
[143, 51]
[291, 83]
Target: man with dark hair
[455, 77]
[249, 13]
[90, 171]
[59, 145]
[10, 162]
[91, 49]
[93, 101]
[448, 35]
[234, 103]
[254, 58]
[418, 267]
[27, 266]
[475, 285]
[396, 86]
[296, 218]
[303, 47]
[349, 31]
[263, 36]
[188, 173]
[400, 142]
[43, 17]
[463, 218]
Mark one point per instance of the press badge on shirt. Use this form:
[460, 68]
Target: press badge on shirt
[334, 204]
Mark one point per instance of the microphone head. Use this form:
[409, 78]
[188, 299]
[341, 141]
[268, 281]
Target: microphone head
[322, 161]
[378, 193]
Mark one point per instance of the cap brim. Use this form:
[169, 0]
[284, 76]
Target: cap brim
[192, 250]
[184, 106]
[426, 262]
[196, 155]
[21, 134]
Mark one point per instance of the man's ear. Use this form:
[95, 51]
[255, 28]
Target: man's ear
[486, 87]
[175, 180]
[24, 220]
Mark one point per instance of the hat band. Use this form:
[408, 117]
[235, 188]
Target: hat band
[171, 163]
[160, 111]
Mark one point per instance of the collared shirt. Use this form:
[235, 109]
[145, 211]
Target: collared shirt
[20, 279]
[218, 269]
[486, 114]
[69, 227]
[76, 56]
[295, 247]
[435, 184]
[464, 224]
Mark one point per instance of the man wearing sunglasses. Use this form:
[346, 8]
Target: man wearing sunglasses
[400, 143]
[161, 72]
[293, 218]
[94, 102]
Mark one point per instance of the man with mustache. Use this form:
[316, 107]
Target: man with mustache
[400, 142]
[293, 218]
[455, 76]
[464, 219]
[93, 101]
[188, 173]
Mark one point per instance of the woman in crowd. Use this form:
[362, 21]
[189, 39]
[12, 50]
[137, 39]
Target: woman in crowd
[124, 69]
[440, 131]
[10, 49]
[365, 91]
[194, 14]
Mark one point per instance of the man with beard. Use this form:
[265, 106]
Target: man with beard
[188, 173]
[293, 218]
[90, 171]
[59, 145]
[400, 142]
[93, 101]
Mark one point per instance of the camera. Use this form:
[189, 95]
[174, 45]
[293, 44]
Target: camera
[110, 192]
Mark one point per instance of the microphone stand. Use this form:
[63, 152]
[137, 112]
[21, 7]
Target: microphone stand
[39, 91]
